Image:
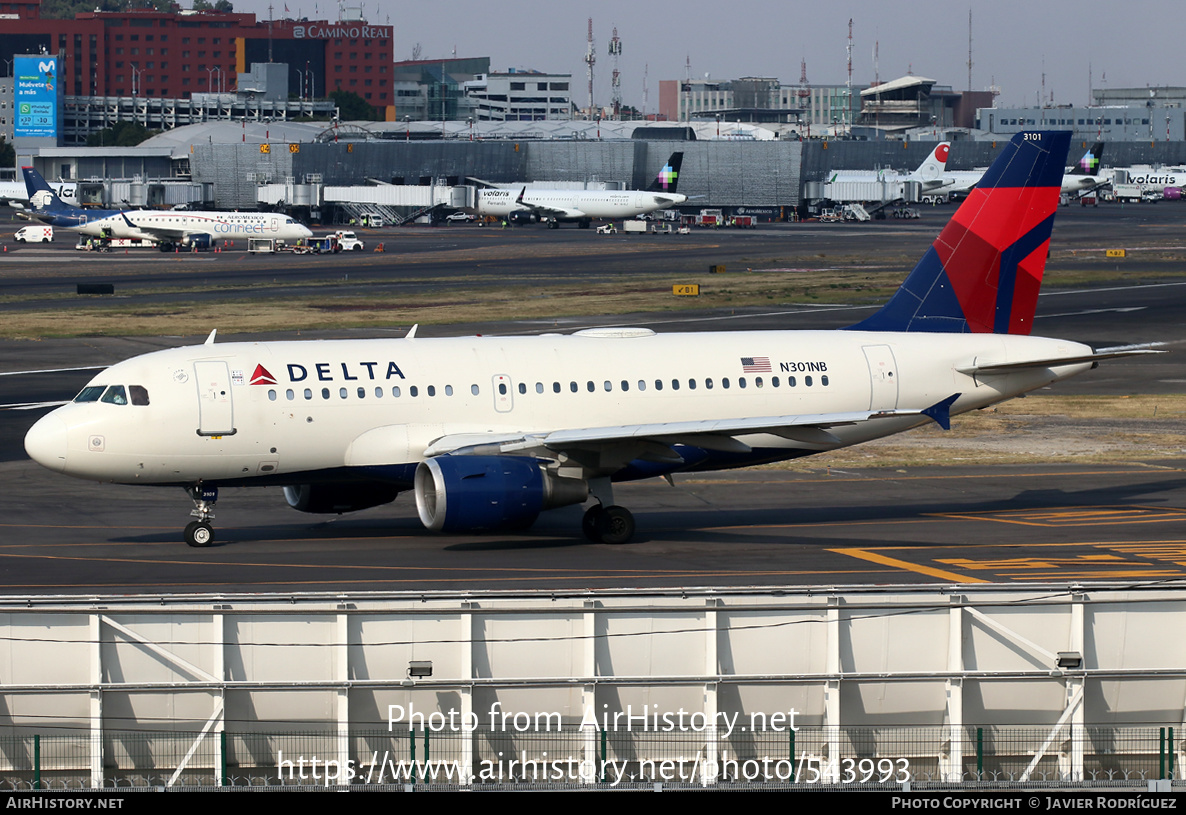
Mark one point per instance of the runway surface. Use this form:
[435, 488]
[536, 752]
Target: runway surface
[767, 527]
[755, 528]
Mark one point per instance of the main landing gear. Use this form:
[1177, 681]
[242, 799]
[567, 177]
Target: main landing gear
[608, 525]
[200, 533]
[604, 522]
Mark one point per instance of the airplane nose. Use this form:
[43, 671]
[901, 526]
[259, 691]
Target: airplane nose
[46, 443]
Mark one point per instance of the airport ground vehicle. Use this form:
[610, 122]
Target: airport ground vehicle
[348, 242]
[38, 233]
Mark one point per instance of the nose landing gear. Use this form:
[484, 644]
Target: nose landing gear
[200, 533]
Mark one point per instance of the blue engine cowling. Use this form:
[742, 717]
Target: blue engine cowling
[475, 493]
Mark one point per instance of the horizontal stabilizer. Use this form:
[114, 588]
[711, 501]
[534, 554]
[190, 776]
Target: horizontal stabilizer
[1053, 362]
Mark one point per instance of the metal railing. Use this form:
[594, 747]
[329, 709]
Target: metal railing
[672, 753]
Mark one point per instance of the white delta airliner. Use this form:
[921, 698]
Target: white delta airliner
[583, 206]
[166, 228]
[489, 432]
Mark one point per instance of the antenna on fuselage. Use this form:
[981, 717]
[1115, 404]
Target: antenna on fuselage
[210, 339]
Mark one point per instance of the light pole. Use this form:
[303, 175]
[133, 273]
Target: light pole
[407, 129]
[135, 77]
[470, 120]
[718, 125]
[210, 79]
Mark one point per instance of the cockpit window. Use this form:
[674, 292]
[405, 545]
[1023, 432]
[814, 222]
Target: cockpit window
[139, 394]
[90, 393]
[115, 395]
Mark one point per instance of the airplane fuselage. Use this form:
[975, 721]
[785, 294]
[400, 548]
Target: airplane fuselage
[173, 225]
[291, 412]
[574, 205]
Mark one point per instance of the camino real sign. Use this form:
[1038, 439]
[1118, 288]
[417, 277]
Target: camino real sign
[350, 30]
[35, 96]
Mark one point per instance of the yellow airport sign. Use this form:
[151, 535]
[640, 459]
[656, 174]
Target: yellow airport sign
[686, 289]
[1115, 253]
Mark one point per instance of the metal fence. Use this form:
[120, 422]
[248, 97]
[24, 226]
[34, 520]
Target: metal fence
[447, 754]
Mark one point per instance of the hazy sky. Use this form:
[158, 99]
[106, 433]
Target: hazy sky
[1013, 41]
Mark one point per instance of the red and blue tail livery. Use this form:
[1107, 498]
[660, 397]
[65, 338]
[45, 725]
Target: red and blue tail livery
[982, 274]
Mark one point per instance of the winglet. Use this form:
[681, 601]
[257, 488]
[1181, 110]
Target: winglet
[941, 411]
[411, 335]
[210, 339]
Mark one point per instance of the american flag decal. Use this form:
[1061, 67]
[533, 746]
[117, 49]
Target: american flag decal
[755, 365]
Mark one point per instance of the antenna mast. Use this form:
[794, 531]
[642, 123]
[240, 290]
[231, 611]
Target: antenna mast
[615, 51]
[969, 49]
[805, 93]
[646, 68]
[848, 113]
[590, 58]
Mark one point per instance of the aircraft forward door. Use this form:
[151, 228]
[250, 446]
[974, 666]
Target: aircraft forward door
[216, 414]
[504, 399]
[883, 377]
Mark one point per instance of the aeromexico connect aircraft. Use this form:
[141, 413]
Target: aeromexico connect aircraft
[165, 228]
[583, 206]
[488, 432]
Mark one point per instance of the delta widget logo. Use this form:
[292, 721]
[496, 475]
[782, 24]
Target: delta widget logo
[260, 376]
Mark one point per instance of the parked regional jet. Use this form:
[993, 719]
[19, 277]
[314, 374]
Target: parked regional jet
[930, 173]
[487, 432]
[163, 227]
[582, 206]
[16, 195]
[1081, 178]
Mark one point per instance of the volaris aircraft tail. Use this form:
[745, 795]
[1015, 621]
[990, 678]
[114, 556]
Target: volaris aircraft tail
[1090, 163]
[982, 274]
[668, 177]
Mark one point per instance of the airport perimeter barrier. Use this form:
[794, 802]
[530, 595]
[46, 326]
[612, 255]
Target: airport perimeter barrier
[572, 756]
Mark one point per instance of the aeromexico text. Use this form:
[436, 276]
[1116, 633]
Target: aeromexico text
[325, 372]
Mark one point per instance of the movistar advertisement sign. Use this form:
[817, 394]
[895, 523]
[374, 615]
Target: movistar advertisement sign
[35, 96]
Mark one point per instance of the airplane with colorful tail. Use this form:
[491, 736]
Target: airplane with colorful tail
[488, 432]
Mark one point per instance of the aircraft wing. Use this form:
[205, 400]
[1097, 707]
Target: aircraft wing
[546, 211]
[653, 441]
[154, 233]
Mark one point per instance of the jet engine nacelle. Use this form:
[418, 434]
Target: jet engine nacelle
[523, 216]
[338, 498]
[474, 493]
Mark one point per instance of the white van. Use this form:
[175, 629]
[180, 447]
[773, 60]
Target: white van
[34, 234]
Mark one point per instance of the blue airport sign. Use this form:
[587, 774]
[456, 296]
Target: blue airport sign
[35, 96]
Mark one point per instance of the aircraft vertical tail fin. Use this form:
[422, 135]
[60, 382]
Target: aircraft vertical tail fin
[1090, 163]
[42, 198]
[933, 167]
[982, 274]
[668, 177]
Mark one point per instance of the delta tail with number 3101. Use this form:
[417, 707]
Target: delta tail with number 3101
[489, 432]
